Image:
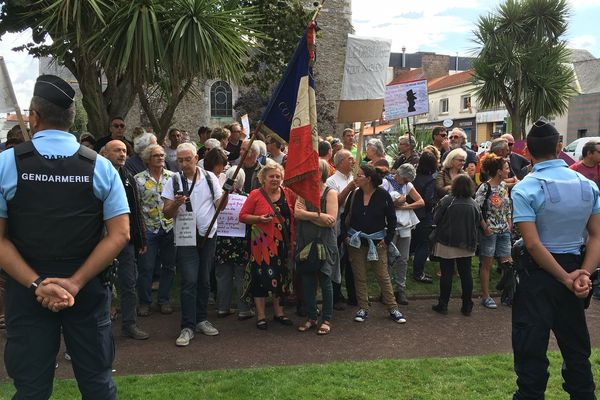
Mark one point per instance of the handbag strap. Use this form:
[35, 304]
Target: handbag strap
[446, 210]
[286, 237]
[349, 215]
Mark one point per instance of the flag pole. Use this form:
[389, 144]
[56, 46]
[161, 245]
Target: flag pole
[228, 185]
[359, 146]
[13, 98]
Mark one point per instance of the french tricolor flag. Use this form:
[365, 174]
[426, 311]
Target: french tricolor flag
[291, 115]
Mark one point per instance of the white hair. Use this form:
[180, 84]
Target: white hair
[238, 184]
[262, 146]
[142, 141]
[186, 147]
[212, 143]
[377, 146]
[255, 148]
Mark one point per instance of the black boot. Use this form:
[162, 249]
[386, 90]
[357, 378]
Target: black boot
[467, 308]
[440, 308]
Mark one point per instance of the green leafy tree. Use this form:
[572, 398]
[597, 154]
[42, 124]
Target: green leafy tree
[284, 21]
[81, 119]
[120, 49]
[523, 60]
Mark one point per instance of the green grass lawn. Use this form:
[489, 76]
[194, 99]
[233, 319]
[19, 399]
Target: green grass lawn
[477, 378]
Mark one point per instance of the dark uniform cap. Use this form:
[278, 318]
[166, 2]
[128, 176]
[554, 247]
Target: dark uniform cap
[55, 90]
[542, 128]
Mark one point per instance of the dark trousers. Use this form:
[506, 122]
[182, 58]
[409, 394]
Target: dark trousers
[463, 265]
[127, 275]
[346, 270]
[542, 304]
[420, 241]
[33, 340]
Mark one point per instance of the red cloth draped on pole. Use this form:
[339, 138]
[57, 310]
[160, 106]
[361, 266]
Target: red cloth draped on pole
[292, 116]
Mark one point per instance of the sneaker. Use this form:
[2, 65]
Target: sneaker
[401, 298]
[206, 328]
[132, 331]
[223, 314]
[184, 337]
[489, 303]
[144, 310]
[243, 315]
[424, 278]
[361, 315]
[397, 316]
[166, 309]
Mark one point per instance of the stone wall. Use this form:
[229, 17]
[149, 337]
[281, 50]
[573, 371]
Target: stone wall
[335, 21]
[434, 65]
[584, 113]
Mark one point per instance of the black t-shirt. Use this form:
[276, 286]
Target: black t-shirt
[379, 214]
[234, 150]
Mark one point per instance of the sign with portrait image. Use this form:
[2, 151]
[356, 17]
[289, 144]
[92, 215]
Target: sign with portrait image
[405, 100]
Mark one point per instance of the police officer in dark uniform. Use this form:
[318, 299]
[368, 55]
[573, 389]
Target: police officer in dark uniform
[553, 206]
[63, 218]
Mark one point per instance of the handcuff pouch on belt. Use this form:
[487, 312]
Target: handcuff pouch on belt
[523, 263]
[108, 277]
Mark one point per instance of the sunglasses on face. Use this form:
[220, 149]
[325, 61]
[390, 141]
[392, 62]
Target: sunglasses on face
[455, 137]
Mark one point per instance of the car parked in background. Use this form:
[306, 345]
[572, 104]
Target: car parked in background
[574, 148]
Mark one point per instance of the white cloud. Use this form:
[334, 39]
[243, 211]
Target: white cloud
[416, 24]
[22, 68]
[586, 42]
[584, 3]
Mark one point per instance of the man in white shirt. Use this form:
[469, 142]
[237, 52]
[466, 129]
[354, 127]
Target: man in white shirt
[191, 197]
[342, 182]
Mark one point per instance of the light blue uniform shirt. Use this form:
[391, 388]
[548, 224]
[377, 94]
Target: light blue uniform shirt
[107, 184]
[529, 202]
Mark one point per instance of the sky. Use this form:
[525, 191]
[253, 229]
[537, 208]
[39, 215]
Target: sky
[440, 26]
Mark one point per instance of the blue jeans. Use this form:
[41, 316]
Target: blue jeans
[160, 247]
[195, 281]
[309, 283]
[230, 275]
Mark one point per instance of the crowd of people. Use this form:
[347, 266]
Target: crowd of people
[150, 208]
[372, 219]
[444, 203]
[394, 220]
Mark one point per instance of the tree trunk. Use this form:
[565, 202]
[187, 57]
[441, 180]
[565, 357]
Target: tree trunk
[101, 106]
[162, 124]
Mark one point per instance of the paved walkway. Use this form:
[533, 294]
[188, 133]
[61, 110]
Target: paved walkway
[241, 345]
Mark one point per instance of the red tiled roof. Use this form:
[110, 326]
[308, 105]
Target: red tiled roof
[408, 76]
[378, 129]
[13, 117]
[450, 80]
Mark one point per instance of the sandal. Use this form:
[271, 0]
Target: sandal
[262, 324]
[307, 325]
[324, 329]
[283, 320]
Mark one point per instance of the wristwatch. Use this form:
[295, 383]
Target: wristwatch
[35, 284]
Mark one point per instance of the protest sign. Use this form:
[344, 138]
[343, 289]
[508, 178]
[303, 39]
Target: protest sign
[406, 99]
[228, 222]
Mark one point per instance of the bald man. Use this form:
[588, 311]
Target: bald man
[116, 152]
[517, 162]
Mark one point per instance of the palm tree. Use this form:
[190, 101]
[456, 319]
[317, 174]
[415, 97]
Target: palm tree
[523, 61]
[120, 49]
